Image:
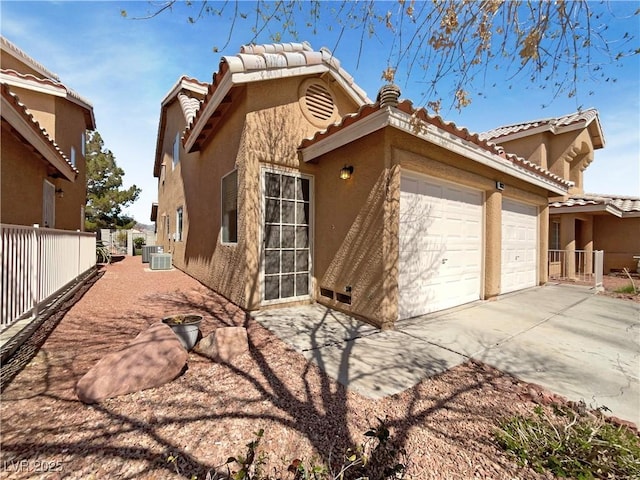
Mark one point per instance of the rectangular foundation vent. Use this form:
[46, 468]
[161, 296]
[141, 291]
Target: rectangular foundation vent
[325, 292]
[160, 261]
[341, 297]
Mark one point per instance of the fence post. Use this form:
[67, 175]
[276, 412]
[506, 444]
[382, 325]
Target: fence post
[35, 271]
[598, 267]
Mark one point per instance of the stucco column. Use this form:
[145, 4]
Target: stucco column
[587, 237]
[493, 244]
[568, 244]
[543, 239]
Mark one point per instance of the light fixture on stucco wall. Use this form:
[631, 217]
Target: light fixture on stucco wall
[59, 192]
[346, 172]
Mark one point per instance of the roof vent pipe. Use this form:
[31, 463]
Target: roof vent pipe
[388, 95]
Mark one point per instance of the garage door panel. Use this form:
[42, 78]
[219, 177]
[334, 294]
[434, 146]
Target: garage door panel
[519, 246]
[440, 252]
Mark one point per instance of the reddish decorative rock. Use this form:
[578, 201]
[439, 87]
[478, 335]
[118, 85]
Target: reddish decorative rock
[224, 344]
[153, 358]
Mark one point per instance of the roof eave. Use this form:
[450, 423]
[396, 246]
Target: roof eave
[432, 134]
[58, 90]
[37, 140]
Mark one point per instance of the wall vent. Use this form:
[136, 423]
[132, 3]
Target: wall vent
[317, 102]
[325, 292]
[341, 297]
[160, 261]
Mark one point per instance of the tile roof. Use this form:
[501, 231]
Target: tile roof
[28, 80]
[188, 92]
[616, 204]
[266, 62]
[579, 119]
[462, 133]
[190, 106]
[16, 52]
[21, 110]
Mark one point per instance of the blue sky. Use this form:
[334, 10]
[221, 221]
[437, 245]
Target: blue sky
[125, 67]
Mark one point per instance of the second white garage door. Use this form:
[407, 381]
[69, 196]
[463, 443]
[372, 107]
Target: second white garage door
[440, 263]
[519, 246]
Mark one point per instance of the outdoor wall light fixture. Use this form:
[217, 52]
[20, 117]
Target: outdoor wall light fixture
[59, 192]
[346, 172]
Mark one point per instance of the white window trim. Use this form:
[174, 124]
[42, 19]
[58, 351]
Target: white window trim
[179, 224]
[222, 240]
[176, 151]
[311, 178]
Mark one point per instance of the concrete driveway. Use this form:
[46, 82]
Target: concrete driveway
[565, 338]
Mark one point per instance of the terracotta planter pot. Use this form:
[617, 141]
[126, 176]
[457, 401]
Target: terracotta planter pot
[186, 327]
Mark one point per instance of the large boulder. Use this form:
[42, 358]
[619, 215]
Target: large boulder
[153, 358]
[224, 344]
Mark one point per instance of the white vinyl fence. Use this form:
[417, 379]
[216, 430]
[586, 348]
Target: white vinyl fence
[37, 263]
[584, 266]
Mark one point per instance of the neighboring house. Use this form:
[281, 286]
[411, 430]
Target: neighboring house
[579, 221]
[290, 185]
[43, 171]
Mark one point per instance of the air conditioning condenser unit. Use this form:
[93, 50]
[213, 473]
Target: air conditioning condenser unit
[147, 250]
[160, 261]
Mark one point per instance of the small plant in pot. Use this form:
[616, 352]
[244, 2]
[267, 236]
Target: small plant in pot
[186, 327]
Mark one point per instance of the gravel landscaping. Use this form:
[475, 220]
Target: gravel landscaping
[212, 410]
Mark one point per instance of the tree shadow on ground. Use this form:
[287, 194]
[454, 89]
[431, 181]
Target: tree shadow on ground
[212, 411]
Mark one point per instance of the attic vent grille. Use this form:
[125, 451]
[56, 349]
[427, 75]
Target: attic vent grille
[319, 101]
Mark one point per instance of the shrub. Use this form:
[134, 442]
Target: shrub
[570, 444]
[626, 289]
[138, 242]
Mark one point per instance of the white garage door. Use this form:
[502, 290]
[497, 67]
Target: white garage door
[519, 246]
[440, 264]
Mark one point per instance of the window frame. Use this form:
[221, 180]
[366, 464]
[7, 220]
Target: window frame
[224, 227]
[176, 151]
[554, 235]
[179, 223]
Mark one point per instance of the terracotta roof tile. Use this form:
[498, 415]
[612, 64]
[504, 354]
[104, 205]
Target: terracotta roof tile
[47, 81]
[421, 114]
[19, 53]
[622, 203]
[586, 116]
[190, 106]
[21, 108]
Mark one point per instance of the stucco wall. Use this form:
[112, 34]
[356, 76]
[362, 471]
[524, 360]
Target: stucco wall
[350, 228]
[263, 127]
[22, 174]
[23, 171]
[70, 127]
[620, 240]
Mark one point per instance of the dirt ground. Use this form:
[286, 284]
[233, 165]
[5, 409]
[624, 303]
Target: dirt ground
[211, 412]
[613, 282]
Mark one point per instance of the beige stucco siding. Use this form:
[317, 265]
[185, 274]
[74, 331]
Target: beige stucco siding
[23, 171]
[350, 228]
[274, 126]
[620, 240]
[21, 179]
[70, 127]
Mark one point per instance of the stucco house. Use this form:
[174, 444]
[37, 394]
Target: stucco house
[579, 221]
[282, 182]
[43, 171]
